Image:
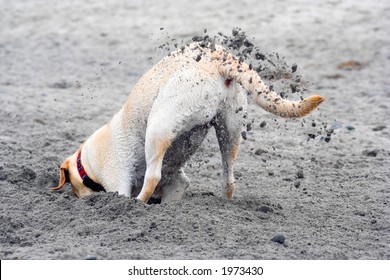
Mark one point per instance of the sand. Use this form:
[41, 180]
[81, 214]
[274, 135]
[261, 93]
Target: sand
[317, 188]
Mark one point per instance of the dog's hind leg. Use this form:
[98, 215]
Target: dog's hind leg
[229, 143]
[228, 131]
[176, 187]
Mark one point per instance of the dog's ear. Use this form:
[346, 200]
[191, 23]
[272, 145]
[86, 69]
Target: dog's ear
[64, 175]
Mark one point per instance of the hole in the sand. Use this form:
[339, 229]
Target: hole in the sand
[154, 201]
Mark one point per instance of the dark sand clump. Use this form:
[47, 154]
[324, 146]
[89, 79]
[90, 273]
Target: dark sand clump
[314, 188]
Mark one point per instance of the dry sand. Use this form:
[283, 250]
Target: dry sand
[67, 67]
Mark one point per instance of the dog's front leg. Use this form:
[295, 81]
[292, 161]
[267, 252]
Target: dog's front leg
[154, 151]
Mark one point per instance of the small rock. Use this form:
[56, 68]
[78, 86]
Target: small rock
[260, 151]
[263, 123]
[271, 173]
[91, 257]
[297, 184]
[300, 174]
[152, 225]
[327, 139]
[294, 68]
[279, 238]
[360, 213]
[370, 153]
[350, 127]
[265, 209]
[379, 128]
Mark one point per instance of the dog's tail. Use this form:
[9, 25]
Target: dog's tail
[233, 69]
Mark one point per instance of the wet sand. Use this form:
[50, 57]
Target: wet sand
[323, 182]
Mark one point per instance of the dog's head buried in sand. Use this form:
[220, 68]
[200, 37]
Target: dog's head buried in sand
[142, 150]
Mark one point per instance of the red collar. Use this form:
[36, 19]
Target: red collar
[87, 181]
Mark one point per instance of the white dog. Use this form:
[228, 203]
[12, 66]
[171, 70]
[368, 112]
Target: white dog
[142, 150]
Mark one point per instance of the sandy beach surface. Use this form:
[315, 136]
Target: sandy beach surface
[321, 183]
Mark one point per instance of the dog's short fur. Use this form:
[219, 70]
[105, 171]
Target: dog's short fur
[142, 150]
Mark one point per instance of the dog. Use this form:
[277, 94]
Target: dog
[141, 152]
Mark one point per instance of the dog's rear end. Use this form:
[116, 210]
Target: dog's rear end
[224, 71]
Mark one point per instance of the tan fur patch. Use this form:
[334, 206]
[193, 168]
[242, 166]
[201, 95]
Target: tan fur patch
[161, 147]
[102, 142]
[230, 190]
[309, 104]
[234, 151]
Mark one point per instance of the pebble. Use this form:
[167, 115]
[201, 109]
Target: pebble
[360, 213]
[297, 184]
[370, 153]
[379, 128]
[265, 209]
[260, 151]
[294, 68]
[279, 238]
[300, 174]
[152, 225]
